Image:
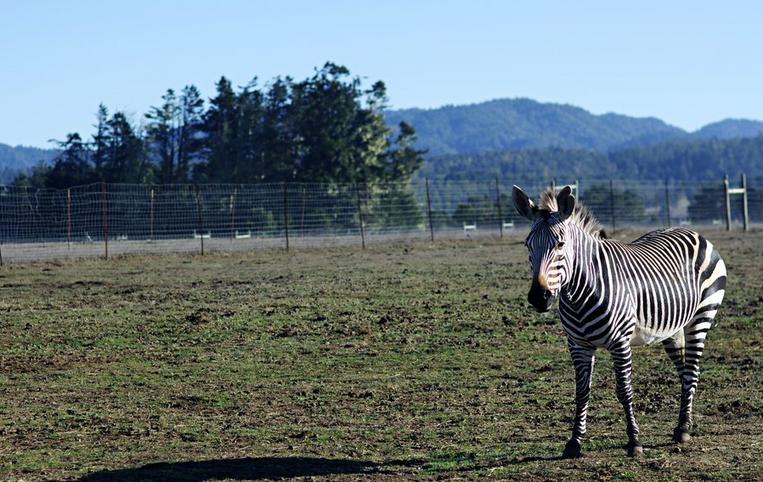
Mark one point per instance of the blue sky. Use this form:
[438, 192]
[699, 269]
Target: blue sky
[688, 63]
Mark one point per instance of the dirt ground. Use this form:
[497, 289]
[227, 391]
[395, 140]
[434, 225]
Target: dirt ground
[407, 361]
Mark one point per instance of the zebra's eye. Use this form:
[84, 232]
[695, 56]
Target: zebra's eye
[559, 244]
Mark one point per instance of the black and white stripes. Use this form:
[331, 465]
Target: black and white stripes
[664, 287]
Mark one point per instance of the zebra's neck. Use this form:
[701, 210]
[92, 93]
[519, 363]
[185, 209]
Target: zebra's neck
[580, 279]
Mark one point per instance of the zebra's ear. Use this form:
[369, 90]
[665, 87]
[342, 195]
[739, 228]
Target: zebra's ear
[565, 202]
[523, 203]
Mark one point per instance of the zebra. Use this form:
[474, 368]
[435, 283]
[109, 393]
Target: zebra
[666, 286]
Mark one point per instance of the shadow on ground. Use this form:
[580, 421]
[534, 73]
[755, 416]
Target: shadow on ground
[261, 468]
[277, 468]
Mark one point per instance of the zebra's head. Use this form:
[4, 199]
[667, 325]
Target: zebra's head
[549, 254]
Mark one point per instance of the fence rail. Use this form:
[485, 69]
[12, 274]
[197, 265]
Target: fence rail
[109, 219]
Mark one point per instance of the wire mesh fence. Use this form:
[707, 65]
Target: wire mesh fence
[111, 219]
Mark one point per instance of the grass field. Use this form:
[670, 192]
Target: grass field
[398, 362]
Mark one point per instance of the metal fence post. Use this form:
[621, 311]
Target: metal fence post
[498, 204]
[105, 219]
[728, 201]
[667, 203]
[745, 212]
[1, 231]
[232, 210]
[286, 213]
[360, 218]
[302, 219]
[68, 219]
[429, 211]
[151, 215]
[200, 219]
[612, 203]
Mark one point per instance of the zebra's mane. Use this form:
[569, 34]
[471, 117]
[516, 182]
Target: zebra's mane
[581, 216]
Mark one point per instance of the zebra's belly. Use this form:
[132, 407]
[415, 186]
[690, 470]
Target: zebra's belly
[643, 335]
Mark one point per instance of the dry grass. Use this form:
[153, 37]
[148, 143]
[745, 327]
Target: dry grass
[399, 362]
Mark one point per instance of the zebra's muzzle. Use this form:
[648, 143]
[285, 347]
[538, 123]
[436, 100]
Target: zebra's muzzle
[541, 298]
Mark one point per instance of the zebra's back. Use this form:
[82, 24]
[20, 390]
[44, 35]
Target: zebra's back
[672, 276]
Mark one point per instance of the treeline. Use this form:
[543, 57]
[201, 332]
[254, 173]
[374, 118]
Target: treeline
[328, 128]
[701, 160]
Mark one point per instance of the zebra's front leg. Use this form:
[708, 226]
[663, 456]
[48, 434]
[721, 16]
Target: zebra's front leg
[621, 359]
[583, 359]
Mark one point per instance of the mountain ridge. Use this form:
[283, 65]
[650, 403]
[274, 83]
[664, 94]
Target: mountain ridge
[15, 159]
[523, 123]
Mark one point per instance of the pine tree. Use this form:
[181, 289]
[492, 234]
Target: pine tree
[403, 159]
[100, 141]
[250, 147]
[164, 136]
[72, 167]
[126, 160]
[220, 126]
[279, 139]
[324, 110]
[191, 142]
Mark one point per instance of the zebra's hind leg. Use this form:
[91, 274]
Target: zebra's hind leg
[622, 361]
[685, 349]
[583, 358]
[675, 347]
[694, 336]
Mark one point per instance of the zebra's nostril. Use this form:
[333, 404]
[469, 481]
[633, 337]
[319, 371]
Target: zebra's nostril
[546, 294]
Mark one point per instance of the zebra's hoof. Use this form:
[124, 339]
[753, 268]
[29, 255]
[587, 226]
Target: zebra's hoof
[635, 450]
[572, 450]
[681, 437]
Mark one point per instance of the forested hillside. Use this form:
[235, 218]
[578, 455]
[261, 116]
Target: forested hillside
[519, 124]
[698, 159]
[20, 158]
[730, 128]
[526, 124]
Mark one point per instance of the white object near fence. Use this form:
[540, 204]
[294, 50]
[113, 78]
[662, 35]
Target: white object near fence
[742, 191]
[508, 225]
[470, 227]
[206, 235]
[243, 235]
[573, 187]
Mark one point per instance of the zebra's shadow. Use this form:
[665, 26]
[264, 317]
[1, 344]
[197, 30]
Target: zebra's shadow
[531, 458]
[249, 468]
